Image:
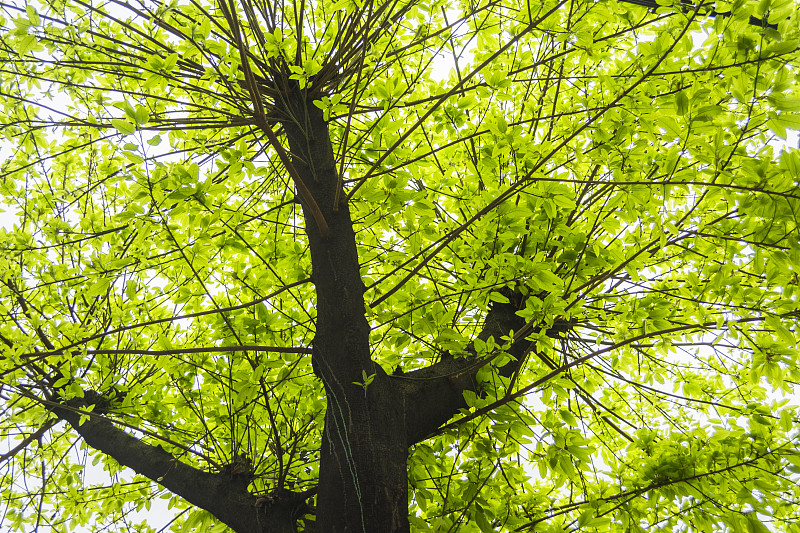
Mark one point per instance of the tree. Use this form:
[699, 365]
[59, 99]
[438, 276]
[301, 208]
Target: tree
[267, 264]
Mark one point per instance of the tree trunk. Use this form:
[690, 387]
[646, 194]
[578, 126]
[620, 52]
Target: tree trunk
[362, 479]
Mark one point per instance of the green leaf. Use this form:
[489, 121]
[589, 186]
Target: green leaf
[782, 47]
[141, 116]
[123, 126]
[586, 517]
[497, 297]
[754, 525]
[98, 288]
[33, 16]
[567, 417]
[170, 62]
[482, 523]
[682, 102]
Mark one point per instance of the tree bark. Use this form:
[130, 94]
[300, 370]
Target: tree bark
[362, 480]
[434, 394]
[222, 494]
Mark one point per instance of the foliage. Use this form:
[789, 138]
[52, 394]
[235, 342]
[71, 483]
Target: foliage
[616, 173]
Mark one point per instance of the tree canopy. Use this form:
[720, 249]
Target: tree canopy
[352, 265]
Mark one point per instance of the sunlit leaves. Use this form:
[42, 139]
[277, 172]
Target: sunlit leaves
[611, 165]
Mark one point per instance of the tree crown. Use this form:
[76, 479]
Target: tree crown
[578, 253]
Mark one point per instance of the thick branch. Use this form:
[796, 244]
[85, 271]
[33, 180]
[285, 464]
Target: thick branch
[434, 394]
[690, 6]
[222, 494]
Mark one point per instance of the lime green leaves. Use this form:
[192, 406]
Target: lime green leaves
[277, 45]
[33, 15]
[366, 381]
[23, 38]
[605, 175]
[389, 90]
[123, 126]
[135, 118]
[163, 64]
[303, 73]
[682, 103]
[331, 105]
